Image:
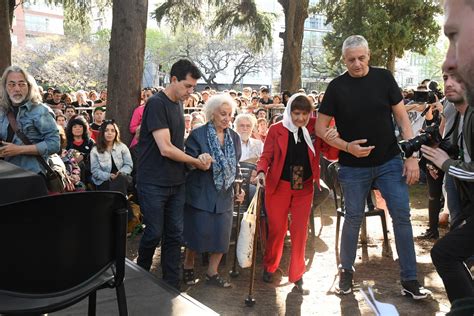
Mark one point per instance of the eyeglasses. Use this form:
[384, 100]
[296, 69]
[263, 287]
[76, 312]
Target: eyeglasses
[20, 84]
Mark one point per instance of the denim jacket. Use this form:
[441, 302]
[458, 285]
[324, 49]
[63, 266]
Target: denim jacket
[37, 122]
[101, 163]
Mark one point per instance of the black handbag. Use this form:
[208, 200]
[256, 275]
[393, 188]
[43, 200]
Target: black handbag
[55, 179]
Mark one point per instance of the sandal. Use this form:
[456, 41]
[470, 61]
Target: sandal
[217, 281]
[188, 277]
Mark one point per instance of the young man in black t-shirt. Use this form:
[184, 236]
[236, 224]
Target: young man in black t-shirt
[265, 97]
[362, 102]
[160, 171]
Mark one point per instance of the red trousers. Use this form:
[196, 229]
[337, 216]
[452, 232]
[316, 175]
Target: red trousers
[298, 203]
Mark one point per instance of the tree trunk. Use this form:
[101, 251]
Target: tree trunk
[296, 13]
[6, 19]
[127, 53]
[391, 60]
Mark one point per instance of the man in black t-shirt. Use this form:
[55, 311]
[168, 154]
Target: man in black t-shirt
[362, 102]
[265, 97]
[160, 171]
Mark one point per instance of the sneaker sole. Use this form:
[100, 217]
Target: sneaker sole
[415, 297]
[342, 292]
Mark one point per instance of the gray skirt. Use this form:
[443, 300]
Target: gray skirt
[205, 231]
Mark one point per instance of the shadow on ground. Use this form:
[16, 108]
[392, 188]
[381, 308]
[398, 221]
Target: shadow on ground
[374, 265]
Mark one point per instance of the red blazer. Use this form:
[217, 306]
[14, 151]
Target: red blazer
[274, 153]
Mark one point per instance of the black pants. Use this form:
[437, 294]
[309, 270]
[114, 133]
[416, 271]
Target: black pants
[435, 199]
[448, 256]
[120, 184]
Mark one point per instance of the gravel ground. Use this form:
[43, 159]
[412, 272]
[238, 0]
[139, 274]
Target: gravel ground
[373, 267]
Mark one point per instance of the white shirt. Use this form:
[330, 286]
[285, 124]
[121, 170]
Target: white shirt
[252, 149]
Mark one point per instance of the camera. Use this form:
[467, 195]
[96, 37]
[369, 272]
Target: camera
[423, 96]
[451, 149]
[430, 137]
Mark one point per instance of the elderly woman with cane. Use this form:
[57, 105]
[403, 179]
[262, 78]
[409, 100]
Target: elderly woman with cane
[210, 194]
[288, 167]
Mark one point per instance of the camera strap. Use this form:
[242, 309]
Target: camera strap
[455, 125]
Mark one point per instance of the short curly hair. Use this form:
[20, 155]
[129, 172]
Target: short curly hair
[217, 101]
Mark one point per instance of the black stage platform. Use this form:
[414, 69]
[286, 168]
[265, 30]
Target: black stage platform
[146, 295]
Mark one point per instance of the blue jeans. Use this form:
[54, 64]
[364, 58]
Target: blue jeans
[452, 199]
[162, 209]
[356, 183]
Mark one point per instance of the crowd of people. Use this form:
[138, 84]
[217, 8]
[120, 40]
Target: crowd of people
[186, 148]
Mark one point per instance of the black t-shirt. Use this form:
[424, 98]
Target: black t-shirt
[262, 101]
[153, 168]
[85, 148]
[362, 108]
[94, 126]
[76, 104]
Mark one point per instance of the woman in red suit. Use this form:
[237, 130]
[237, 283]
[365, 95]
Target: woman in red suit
[288, 167]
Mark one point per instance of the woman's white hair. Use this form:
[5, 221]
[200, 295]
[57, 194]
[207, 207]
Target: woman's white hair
[33, 96]
[216, 101]
[354, 41]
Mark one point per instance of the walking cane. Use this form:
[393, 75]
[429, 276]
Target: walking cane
[250, 301]
[237, 188]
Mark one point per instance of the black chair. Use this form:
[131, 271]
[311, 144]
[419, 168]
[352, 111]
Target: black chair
[58, 250]
[333, 183]
[320, 195]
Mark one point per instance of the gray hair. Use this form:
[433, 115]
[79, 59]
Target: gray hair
[245, 116]
[33, 96]
[354, 41]
[216, 101]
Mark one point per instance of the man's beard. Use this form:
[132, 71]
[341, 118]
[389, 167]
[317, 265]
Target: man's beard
[457, 99]
[244, 136]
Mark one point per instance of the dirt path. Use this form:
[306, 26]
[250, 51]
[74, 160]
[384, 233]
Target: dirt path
[372, 268]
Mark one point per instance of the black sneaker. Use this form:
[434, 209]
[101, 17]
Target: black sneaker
[298, 288]
[429, 235]
[414, 289]
[188, 277]
[345, 282]
[267, 276]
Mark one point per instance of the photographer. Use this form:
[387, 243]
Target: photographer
[425, 113]
[450, 252]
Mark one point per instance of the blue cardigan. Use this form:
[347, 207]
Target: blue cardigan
[201, 192]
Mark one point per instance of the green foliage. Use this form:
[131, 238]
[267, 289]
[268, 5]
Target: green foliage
[220, 16]
[66, 63]
[245, 16]
[179, 13]
[77, 15]
[391, 27]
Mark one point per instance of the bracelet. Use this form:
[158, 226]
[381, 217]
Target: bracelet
[347, 147]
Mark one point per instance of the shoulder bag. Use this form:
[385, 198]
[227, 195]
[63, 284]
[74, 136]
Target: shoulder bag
[55, 177]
